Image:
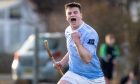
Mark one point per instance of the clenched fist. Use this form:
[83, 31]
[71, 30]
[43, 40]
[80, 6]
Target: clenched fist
[76, 37]
[57, 65]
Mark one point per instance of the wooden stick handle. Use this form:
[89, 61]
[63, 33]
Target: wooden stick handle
[50, 55]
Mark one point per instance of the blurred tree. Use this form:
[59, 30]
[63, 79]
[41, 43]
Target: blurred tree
[134, 39]
[48, 6]
[106, 19]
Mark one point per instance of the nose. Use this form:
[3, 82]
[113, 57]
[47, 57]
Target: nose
[72, 14]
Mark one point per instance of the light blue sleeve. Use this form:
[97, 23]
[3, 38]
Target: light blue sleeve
[66, 33]
[90, 42]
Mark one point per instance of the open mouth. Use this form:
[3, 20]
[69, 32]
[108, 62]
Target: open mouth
[73, 19]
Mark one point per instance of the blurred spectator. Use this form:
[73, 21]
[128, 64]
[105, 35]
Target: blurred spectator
[129, 79]
[108, 52]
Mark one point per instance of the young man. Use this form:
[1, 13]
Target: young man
[82, 40]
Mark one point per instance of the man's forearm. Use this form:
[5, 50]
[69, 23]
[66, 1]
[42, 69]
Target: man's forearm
[65, 59]
[84, 53]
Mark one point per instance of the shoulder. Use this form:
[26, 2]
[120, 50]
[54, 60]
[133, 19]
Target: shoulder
[90, 35]
[116, 47]
[90, 30]
[103, 45]
[67, 31]
[103, 48]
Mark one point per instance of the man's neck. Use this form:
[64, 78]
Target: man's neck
[76, 27]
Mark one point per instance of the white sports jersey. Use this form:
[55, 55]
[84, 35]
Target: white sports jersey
[89, 39]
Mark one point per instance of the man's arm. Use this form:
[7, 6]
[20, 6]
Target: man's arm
[63, 62]
[83, 52]
[65, 59]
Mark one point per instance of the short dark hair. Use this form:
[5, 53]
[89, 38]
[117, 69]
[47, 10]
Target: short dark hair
[110, 35]
[73, 4]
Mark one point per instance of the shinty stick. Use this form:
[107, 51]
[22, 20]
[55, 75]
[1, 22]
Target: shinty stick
[50, 55]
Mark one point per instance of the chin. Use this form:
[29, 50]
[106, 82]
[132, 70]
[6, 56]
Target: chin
[74, 26]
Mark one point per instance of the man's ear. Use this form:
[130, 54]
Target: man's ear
[66, 18]
[81, 15]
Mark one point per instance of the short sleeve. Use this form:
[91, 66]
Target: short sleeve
[67, 32]
[102, 50]
[91, 42]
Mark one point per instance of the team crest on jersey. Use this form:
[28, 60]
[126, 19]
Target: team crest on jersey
[91, 41]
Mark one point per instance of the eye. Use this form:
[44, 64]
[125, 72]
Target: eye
[75, 12]
[69, 13]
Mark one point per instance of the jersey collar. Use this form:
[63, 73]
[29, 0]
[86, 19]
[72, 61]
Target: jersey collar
[79, 27]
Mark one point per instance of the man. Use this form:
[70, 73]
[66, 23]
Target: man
[82, 40]
[109, 52]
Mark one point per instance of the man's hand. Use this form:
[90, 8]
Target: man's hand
[62, 63]
[76, 37]
[115, 62]
[58, 65]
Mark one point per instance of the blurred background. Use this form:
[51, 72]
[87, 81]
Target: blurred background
[21, 18]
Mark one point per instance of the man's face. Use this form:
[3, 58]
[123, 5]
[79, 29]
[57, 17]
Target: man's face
[73, 16]
[110, 40]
